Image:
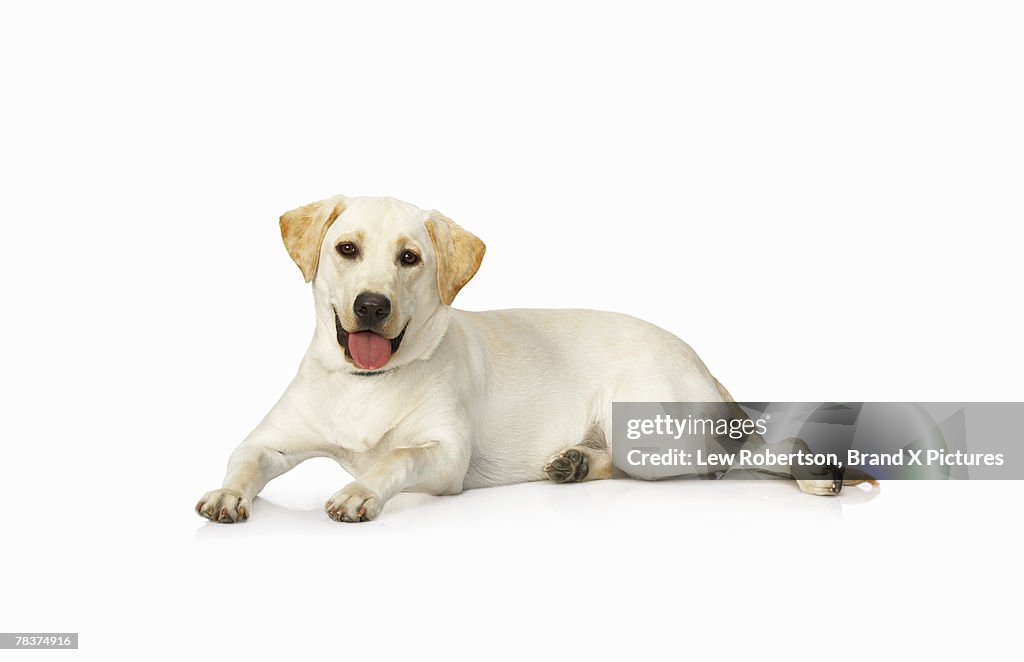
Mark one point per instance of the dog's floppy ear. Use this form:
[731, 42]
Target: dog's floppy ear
[303, 231]
[459, 253]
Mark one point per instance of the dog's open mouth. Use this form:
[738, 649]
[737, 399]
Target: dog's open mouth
[367, 349]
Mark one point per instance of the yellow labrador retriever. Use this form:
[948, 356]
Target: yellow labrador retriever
[408, 393]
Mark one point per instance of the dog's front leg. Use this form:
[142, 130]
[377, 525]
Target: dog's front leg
[436, 467]
[278, 444]
[250, 468]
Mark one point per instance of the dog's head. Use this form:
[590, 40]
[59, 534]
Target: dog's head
[382, 271]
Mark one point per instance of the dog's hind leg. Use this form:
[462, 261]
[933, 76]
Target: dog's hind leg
[588, 460]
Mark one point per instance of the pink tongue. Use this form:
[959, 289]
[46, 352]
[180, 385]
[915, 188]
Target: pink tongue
[369, 350]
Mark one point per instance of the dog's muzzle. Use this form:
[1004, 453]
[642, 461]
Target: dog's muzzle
[367, 349]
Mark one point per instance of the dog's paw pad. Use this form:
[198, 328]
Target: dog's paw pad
[223, 506]
[569, 466]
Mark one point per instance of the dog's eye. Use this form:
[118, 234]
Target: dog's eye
[409, 258]
[347, 249]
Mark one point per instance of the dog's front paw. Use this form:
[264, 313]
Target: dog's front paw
[224, 505]
[353, 503]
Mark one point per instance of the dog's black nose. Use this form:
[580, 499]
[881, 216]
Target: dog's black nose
[372, 308]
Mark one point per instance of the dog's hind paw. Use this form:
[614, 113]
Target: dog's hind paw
[821, 487]
[569, 466]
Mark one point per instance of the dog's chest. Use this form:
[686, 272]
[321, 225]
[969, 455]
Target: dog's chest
[358, 418]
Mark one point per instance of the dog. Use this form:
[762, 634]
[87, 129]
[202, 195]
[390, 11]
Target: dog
[410, 394]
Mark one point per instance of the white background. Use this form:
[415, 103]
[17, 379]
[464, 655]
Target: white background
[824, 199]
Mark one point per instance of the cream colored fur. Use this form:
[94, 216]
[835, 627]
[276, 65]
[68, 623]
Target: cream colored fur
[470, 399]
